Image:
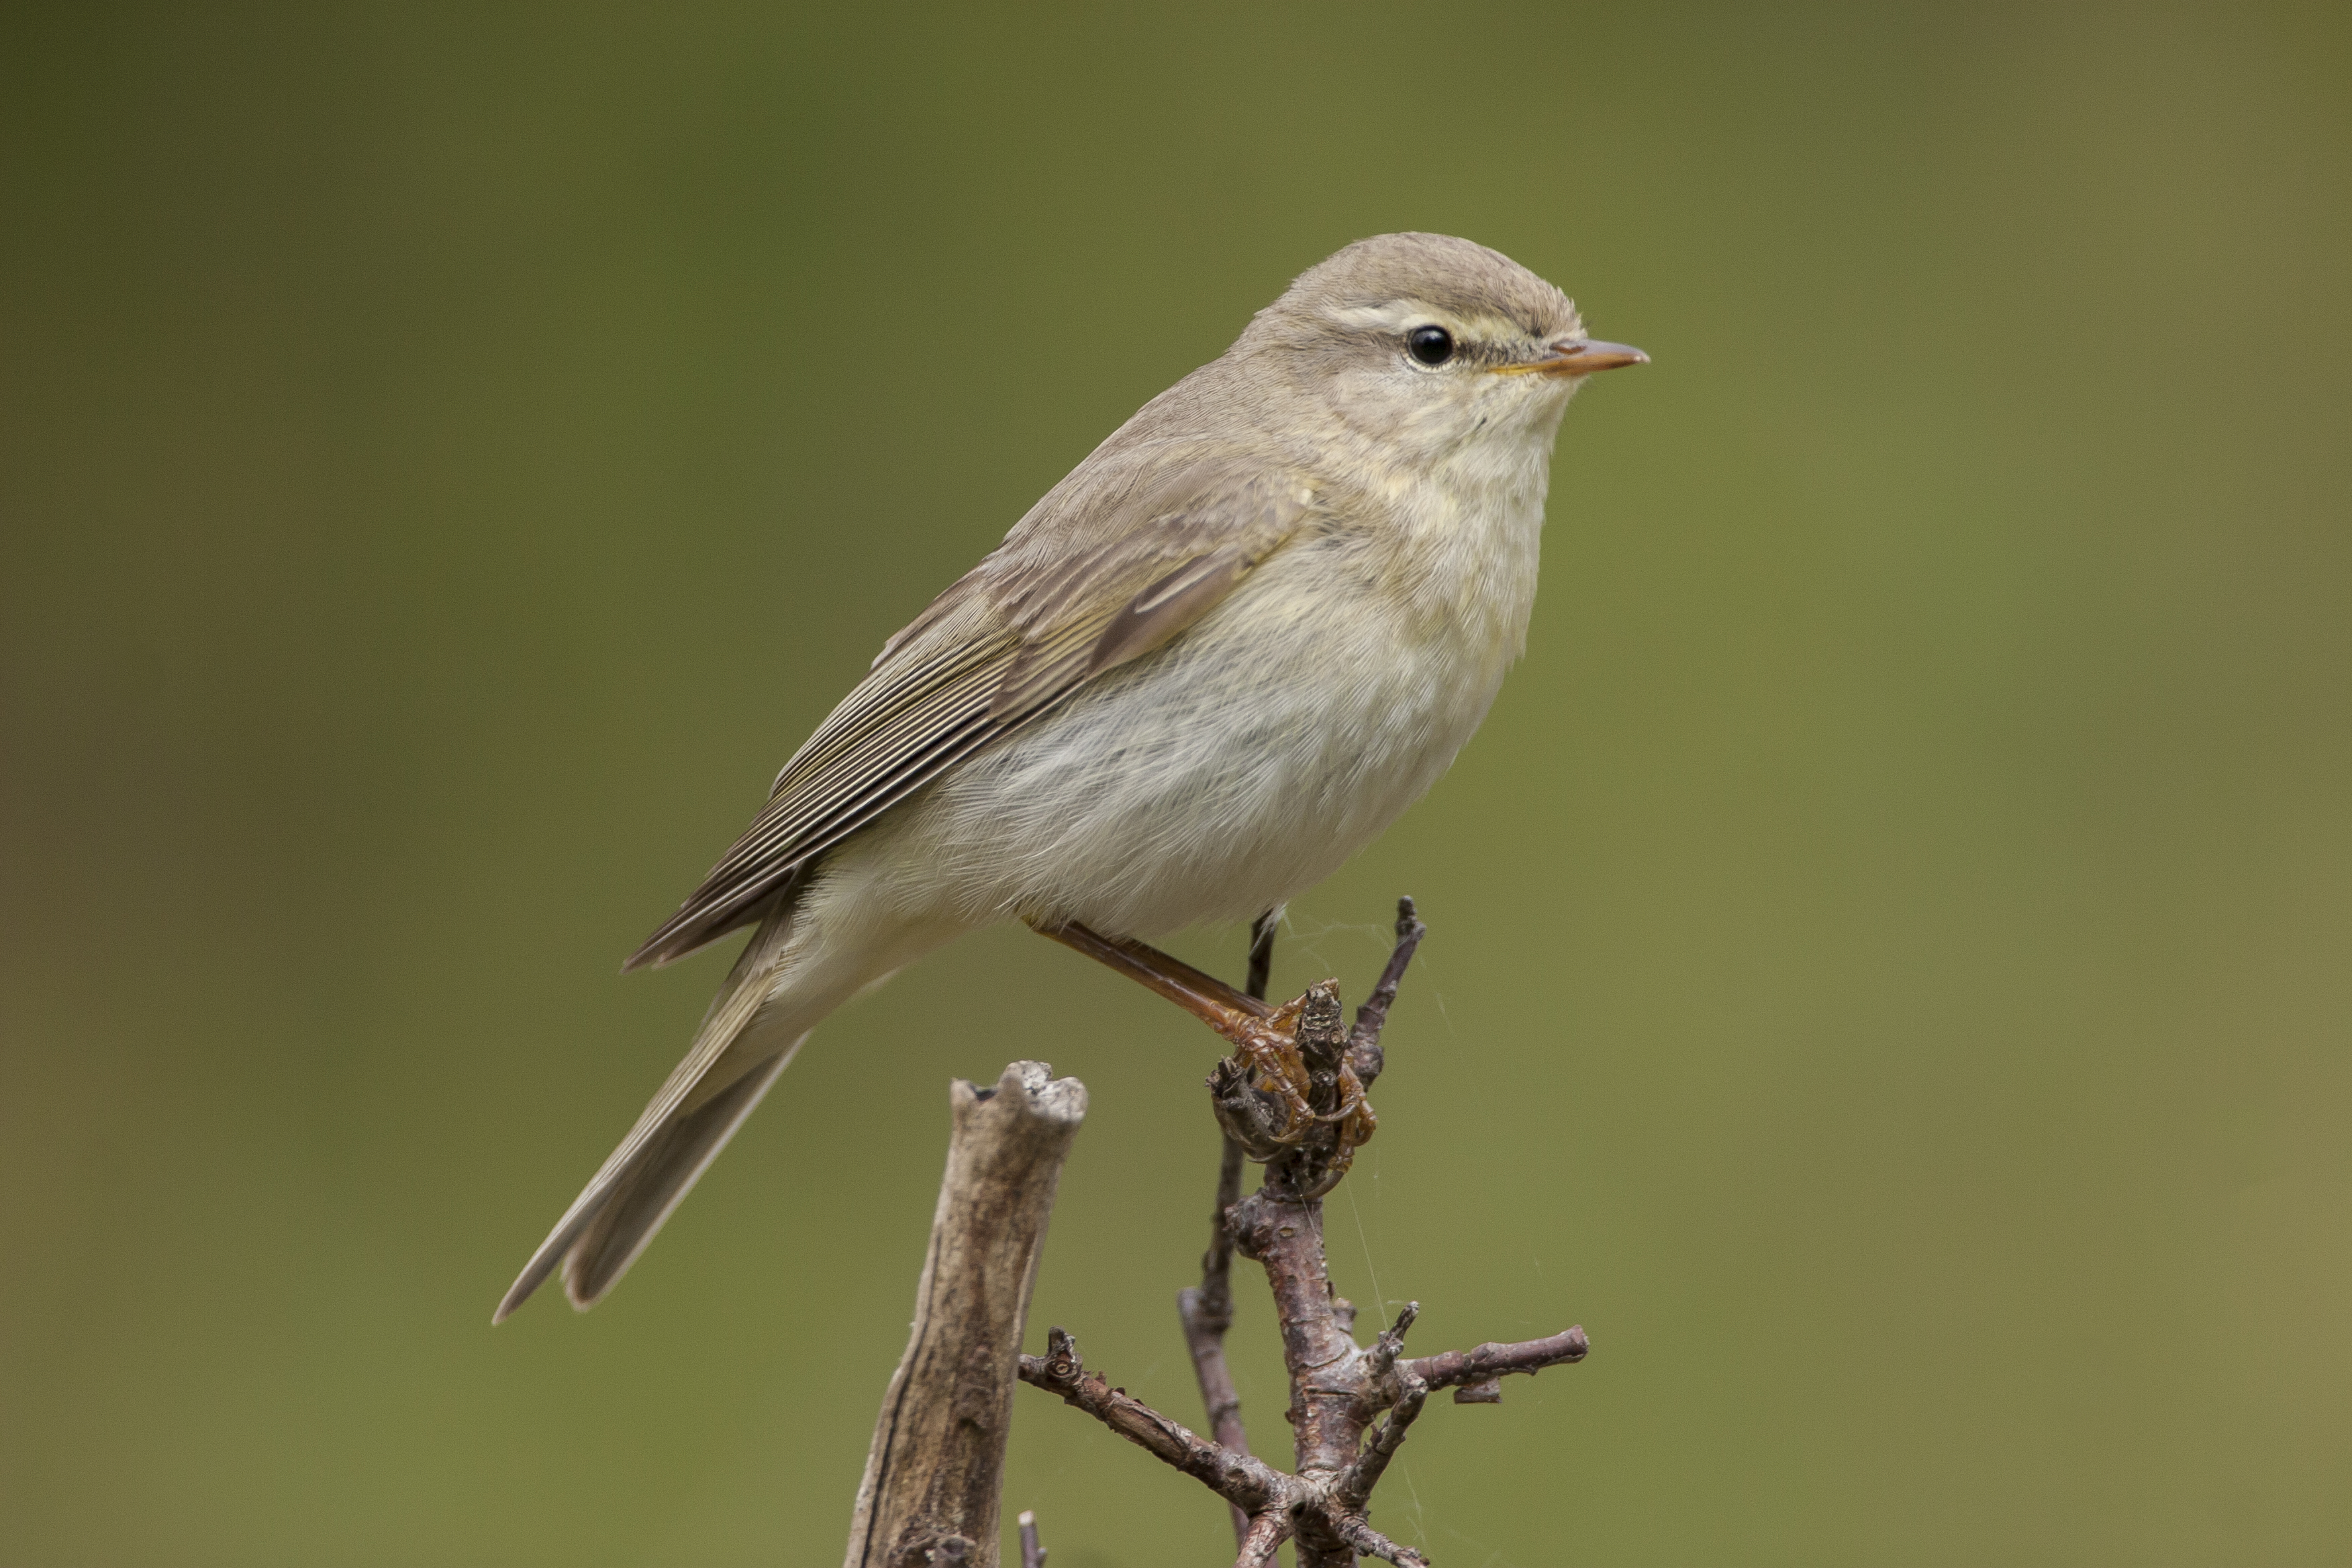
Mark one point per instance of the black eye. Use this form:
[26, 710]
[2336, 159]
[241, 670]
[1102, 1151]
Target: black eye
[1430, 345]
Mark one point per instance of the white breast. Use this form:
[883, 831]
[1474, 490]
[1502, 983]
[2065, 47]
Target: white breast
[1251, 756]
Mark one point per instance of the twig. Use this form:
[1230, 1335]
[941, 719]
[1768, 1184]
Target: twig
[1206, 1310]
[1364, 1051]
[1385, 1349]
[1293, 1092]
[1273, 1498]
[1354, 1488]
[1248, 1483]
[1033, 1555]
[1491, 1360]
[1372, 1543]
[933, 1475]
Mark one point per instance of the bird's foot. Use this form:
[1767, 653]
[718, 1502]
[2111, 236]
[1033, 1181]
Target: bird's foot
[1288, 1092]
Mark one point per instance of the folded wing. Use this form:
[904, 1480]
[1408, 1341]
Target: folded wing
[1120, 559]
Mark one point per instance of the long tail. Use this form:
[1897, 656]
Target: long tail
[706, 1098]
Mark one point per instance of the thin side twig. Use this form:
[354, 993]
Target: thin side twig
[1251, 1484]
[1361, 1536]
[1206, 1310]
[1353, 1489]
[1492, 1359]
[1382, 1357]
[1364, 1051]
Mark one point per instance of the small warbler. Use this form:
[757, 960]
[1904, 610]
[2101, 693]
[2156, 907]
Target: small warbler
[1243, 636]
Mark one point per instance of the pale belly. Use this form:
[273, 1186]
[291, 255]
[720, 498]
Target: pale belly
[1209, 783]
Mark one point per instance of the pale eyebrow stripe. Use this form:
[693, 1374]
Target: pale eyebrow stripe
[1390, 316]
[1402, 314]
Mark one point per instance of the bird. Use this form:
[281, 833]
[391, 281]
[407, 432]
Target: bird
[1219, 657]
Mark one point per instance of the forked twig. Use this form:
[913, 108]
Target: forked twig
[1338, 1389]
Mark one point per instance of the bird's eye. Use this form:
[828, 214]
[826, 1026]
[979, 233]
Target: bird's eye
[1430, 345]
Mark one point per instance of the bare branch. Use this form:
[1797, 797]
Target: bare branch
[1492, 1359]
[1372, 1543]
[1382, 1357]
[1260, 1540]
[1205, 1327]
[1327, 1412]
[1033, 1555]
[1354, 1488]
[1206, 1310]
[1364, 1040]
[933, 1475]
[1292, 1094]
[1250, 1484]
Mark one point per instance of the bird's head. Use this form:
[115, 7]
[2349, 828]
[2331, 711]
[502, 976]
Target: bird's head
[1422, 342]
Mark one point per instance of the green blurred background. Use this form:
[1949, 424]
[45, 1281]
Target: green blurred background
[1890, 978]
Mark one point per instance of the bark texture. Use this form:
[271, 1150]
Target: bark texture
[1293, 1097]
[1205, 1311]
[933, 1476]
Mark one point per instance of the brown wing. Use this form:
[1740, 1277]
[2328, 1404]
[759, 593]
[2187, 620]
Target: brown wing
[1116, 561]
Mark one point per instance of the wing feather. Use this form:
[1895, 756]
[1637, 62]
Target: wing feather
[1137, 557]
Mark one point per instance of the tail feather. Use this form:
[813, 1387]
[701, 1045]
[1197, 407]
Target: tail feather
[812, 951]
[683, 1129]
[662, 1175]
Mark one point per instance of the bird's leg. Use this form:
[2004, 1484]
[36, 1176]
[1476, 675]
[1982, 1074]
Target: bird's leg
[1247, 1022]
[1260, 1034]
[1261, 950]
[1265, 1038]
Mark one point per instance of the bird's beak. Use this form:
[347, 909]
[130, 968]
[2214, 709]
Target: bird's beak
[1579, 356]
